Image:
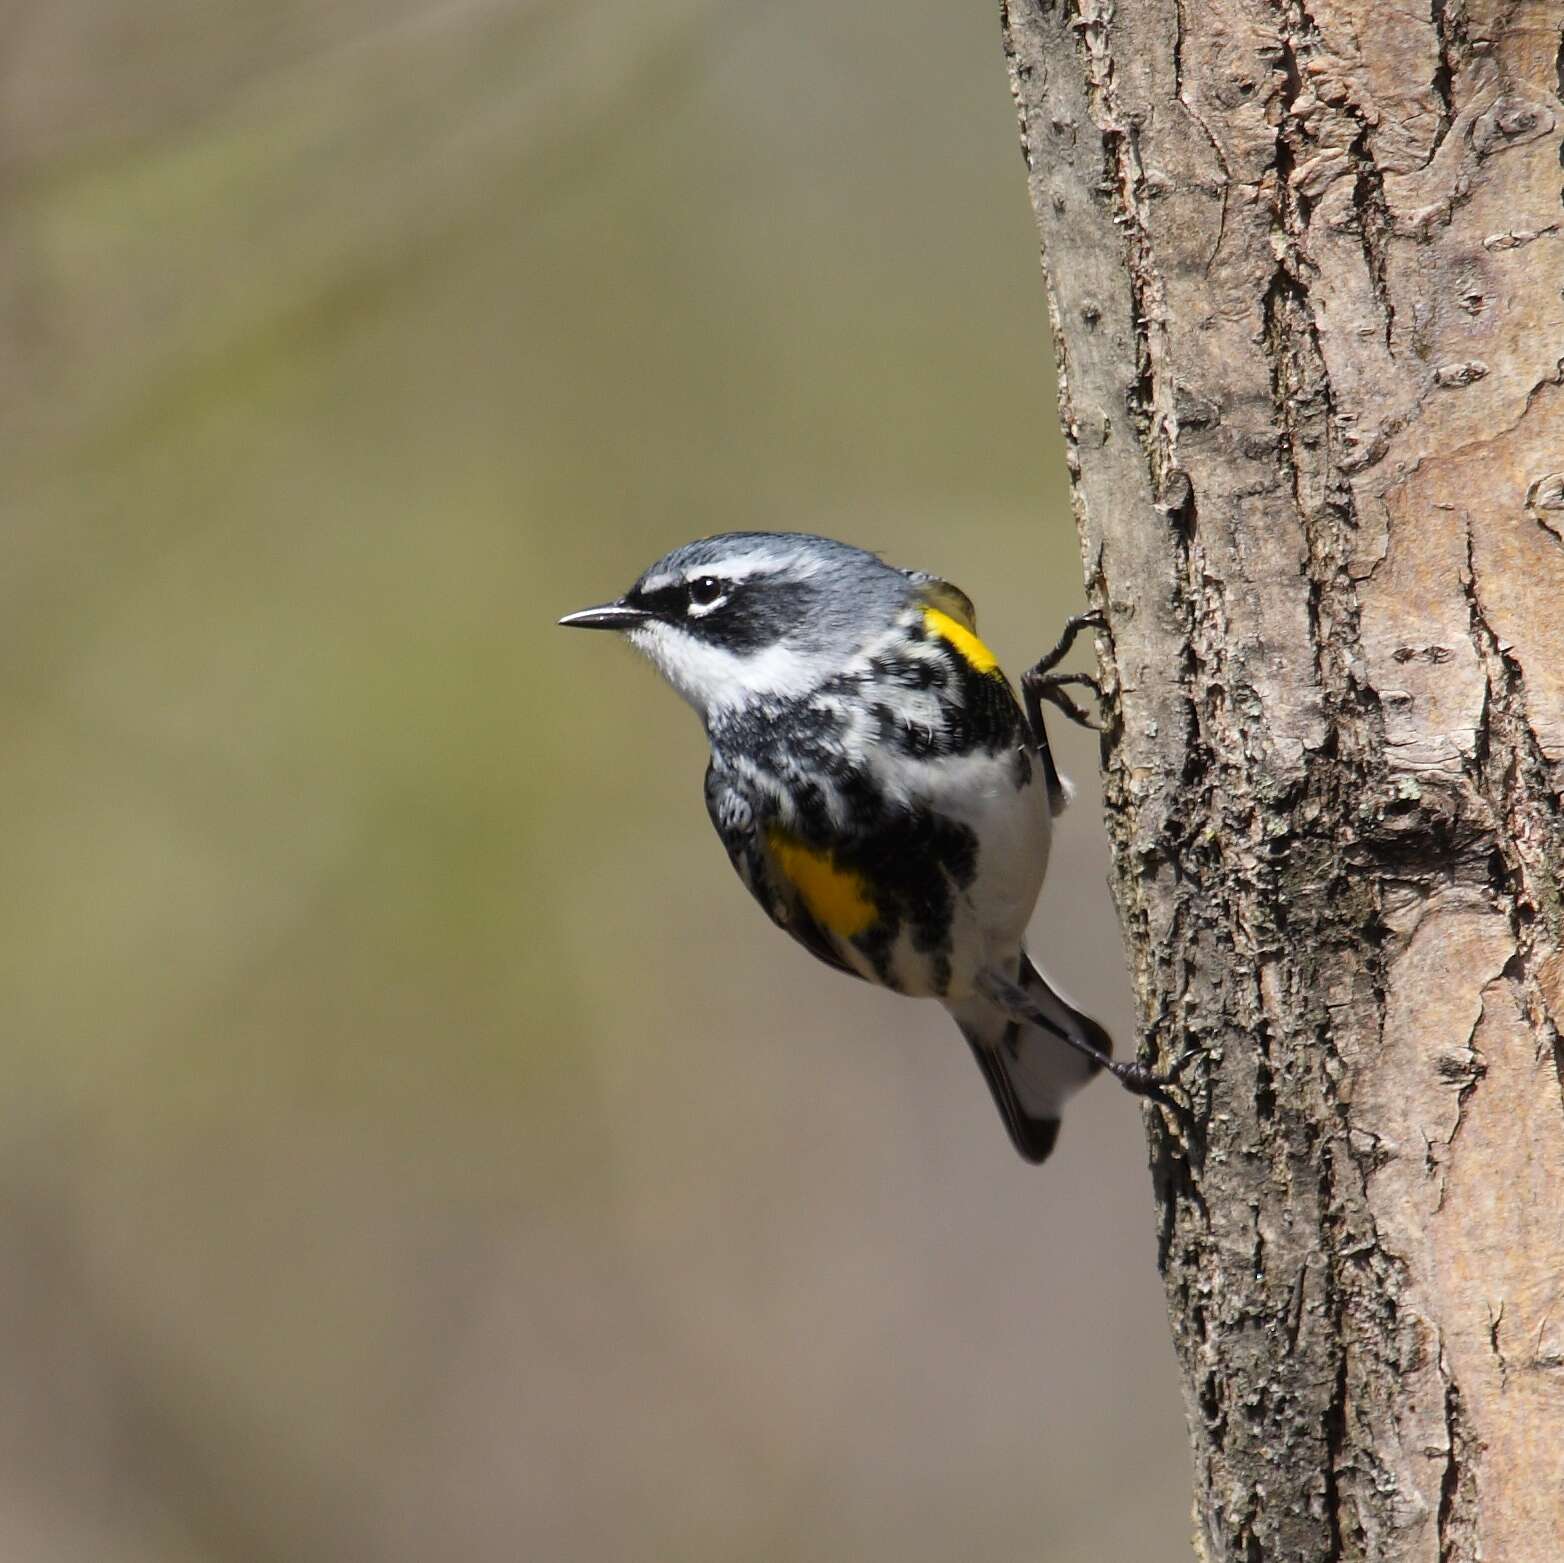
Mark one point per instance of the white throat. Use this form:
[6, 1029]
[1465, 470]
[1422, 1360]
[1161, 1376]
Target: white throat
[714, 679]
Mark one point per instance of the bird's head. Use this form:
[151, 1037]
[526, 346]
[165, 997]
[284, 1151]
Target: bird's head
[751, 618]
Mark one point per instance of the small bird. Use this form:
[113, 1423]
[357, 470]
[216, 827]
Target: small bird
[879, 787]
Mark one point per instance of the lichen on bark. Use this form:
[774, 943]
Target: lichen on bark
[1303, 267]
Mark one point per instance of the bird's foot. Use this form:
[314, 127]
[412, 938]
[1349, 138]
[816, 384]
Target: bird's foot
[1141, 1080]
[1041, 682]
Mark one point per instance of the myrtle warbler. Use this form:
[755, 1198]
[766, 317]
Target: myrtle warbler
[878, 786]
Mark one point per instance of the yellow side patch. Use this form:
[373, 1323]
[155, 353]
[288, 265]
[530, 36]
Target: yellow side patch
[836, 897]
[967, 646]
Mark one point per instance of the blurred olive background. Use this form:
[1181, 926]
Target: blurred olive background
[415, 1143]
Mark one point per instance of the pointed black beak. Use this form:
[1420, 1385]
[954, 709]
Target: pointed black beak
[611, 616]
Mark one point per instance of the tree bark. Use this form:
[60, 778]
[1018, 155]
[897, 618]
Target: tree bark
[1304, 268]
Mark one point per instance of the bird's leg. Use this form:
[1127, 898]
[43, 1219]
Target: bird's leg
[1135, 1077]
[1040, 683]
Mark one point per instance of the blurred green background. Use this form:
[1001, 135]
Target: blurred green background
[416, 1145]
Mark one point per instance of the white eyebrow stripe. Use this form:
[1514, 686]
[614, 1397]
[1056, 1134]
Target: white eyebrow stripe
[798, 564]
[740, 569]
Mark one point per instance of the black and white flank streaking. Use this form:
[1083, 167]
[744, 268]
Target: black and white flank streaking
[879, 787]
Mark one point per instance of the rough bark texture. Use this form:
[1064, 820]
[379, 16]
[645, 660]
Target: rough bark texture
[1304, 265]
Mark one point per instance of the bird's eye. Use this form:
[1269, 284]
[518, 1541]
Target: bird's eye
[705, 590]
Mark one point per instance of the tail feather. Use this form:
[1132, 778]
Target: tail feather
[1030, 1069]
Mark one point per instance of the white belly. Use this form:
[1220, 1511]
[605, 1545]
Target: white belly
[1012, 828]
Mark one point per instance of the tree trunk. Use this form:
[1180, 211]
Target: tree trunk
[1304, 268]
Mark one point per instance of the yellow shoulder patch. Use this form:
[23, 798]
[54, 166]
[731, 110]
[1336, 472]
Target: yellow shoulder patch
[967, 646]
[837, 898]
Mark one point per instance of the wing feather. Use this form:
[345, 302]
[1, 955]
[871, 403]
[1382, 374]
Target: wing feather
[947, 597]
